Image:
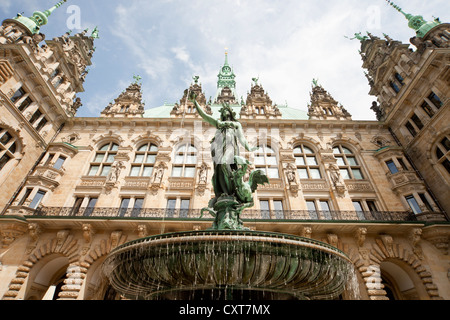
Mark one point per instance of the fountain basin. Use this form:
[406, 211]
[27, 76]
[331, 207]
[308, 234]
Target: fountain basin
[227, 265]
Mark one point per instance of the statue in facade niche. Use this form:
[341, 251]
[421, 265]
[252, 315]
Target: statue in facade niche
[232, 194]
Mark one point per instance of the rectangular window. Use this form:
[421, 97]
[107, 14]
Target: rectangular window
[371, 205]
[315, 173]
[25, 196]
[325, 208]
[4, 160]
[435, 100]
[395, 87]
[184, 209]
[278, 208]
[357, 174]
[312, 210]
[402, 163]
[170, 208]
[77, 205]
[90, 207]
[18, 95]
[105, 171]
[37, 199]
[41, 124]
[411, 129]
[428, 110]
[417, 121]
[264, 206]
[176, 171]
[138, 205]
[59, 163]
[413, 204]
[392, 167]
[135, 171]
[273, 173]
[147, 171]
[303, 173]
[35, 116]
[344, 173]
[25, 104]
[359, 209]
[124, 206]
[189, 172]
[93, 170]
[425, 201]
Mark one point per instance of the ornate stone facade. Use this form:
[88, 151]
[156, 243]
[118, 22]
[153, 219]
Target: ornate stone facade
[72, 193]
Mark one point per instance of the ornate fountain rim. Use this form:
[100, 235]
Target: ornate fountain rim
[279, 263]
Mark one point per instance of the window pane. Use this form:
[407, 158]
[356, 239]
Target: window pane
[371, 205]
[189, 172]
[176, 171]
[340, 161]
[303, 174]
[135, 171]
[93, 171]
[336, 150]
[5, 138]
[357, 205]
[110, 158]
[264, 206]
[151, 158]
[37, 199]
[357, 174]
[139, 158]
[446, 165]
[59, 163]
[315, 174]
[125, 203]
[324, 206]
[413, 204]
[13, 147]
[143, 148]
[105, 147]
[114, 147]
[153, 148]
[259, 160]
[105, 171]
[344, 173]
[191, 159]
[300, 161]
[171, 203]
[138, 203]
[179, 159]
[347, 151]
[272, 160]
[435, 99]
[273, 173]
[99, 157]
[391, 166]
[307, 150]
[4, 160]
[311, 161]
[297, 150]
[446, 143]
[311, 205]
[352, 161]
[147, 171]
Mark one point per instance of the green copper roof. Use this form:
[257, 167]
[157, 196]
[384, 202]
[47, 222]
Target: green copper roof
[35, 22]
[226, 78]
[417, 22]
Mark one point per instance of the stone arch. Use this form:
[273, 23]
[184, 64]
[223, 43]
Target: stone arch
[147, 137]
[63, 245]
[304, 139]
[386, 250]
[354, 145]
[88, 266]
[105, 138]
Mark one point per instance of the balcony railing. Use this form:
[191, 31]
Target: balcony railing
[401, 216]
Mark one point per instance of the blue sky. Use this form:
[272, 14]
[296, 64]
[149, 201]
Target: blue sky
[286, 43]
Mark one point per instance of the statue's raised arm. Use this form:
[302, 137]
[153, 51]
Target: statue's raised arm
[202, 112]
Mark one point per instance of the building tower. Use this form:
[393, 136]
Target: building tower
[226, 85]
[412, 89]
[38, 87]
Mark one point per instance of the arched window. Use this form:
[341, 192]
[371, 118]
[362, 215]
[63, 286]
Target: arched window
[104, 158]
[443, 152]
[306, 162]
[144, 161]
[348, 165]
[8, 147]
[184, 161]
[266, 160]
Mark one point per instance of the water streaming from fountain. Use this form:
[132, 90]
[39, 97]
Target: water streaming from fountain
[228, 265]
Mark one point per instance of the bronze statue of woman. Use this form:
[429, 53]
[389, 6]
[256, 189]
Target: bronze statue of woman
[227, 164]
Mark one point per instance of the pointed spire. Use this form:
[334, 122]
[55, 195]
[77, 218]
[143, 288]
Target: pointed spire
[39, 18]
[94, 34]
[416, 22]
[226, 81]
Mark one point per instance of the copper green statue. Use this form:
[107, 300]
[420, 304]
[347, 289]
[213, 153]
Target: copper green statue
[232, 193]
